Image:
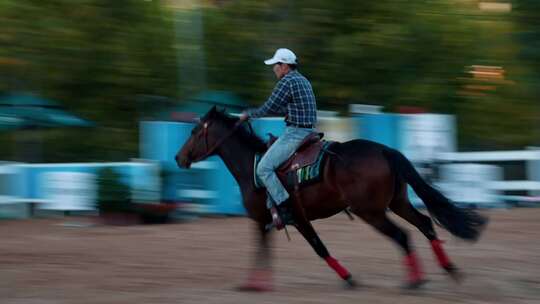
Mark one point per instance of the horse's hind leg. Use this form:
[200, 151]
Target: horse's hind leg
[403, 207]
[380, 222]
[306, 229]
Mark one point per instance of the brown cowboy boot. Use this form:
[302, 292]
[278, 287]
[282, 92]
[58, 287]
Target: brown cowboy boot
[281, 215]
[276, 219]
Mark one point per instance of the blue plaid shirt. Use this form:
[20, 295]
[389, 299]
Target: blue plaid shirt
[293, 97]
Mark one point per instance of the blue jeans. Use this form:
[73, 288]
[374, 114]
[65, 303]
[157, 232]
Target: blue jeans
[279, 152]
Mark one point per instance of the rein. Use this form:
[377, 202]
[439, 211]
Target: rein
[222, 139]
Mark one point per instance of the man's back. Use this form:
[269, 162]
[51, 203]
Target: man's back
[302, 107]
[292, 96]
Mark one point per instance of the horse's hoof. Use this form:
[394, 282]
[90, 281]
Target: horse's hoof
[454, 273]
[414, 285]
[350, 283]
[457, 276]
[258, 281]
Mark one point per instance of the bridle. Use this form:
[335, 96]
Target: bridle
[210, 151]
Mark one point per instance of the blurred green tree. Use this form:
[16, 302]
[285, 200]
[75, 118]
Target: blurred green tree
[95, 56]
[390, 52]
[100, 57]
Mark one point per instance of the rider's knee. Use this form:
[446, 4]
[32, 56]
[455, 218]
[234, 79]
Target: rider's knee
[263, 170]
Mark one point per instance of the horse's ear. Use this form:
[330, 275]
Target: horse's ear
[212, 112]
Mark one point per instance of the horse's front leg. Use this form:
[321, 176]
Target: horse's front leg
[260, 277]
[309, 233]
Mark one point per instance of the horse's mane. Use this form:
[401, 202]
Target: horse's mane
[245, 133]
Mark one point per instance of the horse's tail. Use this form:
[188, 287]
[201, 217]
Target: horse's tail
[464, 223]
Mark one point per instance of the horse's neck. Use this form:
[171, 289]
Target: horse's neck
[238, 157]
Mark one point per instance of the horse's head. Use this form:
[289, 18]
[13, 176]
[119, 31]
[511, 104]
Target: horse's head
[205, 138]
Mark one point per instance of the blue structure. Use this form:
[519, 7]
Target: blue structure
[208, 184]
[69, 186]
[381, 128]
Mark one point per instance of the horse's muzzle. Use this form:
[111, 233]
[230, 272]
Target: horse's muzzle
[183, 162]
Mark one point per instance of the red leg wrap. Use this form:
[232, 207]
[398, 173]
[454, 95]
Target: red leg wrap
[341, 271]
[436, 245]
[411, 262]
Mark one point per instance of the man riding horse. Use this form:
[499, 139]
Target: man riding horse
[367, 178]
[293, 97]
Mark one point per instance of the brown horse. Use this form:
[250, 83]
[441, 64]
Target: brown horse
[364, 177]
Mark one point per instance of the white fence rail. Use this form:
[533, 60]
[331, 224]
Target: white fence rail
[526, 155]
[466, 176]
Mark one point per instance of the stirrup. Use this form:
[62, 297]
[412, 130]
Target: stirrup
[277, 220]
[281, 216]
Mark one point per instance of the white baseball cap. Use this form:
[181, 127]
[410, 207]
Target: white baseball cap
[282, 56]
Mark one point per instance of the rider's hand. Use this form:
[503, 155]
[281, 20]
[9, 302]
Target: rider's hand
[244, 116]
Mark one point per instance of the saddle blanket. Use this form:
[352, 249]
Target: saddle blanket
[305, 175]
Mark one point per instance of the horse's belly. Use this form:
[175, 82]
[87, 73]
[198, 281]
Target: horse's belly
[312, 214]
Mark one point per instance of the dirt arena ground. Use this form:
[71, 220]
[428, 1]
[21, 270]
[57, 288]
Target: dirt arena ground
[44, 261]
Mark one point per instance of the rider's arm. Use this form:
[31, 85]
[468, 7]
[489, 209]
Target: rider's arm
[276, 103]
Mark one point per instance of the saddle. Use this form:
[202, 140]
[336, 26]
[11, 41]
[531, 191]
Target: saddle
[304, 166]
[305, 155]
